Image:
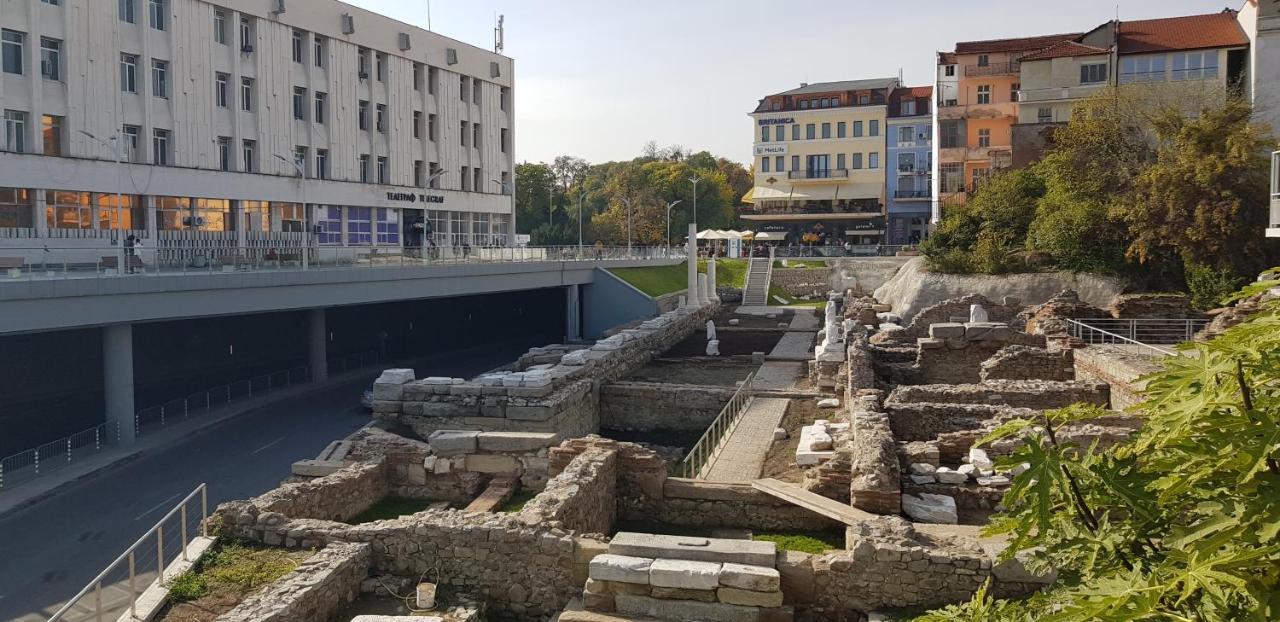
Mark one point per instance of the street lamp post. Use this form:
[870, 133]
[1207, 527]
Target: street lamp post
[627, 202]
[669, 206]
[306, 213]
[580, 192]
[695, 181]
[115, 146]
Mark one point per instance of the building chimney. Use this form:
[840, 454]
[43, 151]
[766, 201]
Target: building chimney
[804, 84]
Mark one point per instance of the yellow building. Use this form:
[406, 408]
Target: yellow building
[819, 159]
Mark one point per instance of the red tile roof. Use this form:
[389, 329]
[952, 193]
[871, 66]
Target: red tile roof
[922, 95]
[1064, 49]
[1023, 44]
[1192, 32]
[913, 91]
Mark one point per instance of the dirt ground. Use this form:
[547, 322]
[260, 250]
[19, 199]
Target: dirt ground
[731, 343]
[752, 321]
[207, 608]
[692, 372]
[780, 463]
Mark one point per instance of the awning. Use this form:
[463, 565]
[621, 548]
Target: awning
[762, 193]
[749, 197]
[771, 236]
[816, 217]
[866, 190]
[864, 231]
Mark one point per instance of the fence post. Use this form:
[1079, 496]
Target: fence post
[37, 460]
[162, 415]
[182, 512]
[160, 552]
[97, 439]
[133, 592]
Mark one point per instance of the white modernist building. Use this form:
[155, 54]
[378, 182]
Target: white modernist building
[259, 123]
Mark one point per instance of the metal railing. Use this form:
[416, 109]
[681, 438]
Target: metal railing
[698, 459]
[1146, 333]
[836, 251]
[992, 69]
[27, 465]
[203, 402]
[912, 194]
[819, 173]
[116, 589]
[49, 262]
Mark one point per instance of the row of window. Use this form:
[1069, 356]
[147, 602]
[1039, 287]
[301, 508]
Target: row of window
[951, 133]
[12, 60]
[820, 163]
[811, 131]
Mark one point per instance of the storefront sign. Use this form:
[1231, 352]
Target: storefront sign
[779, 121]
[411, 197]
[768, 150]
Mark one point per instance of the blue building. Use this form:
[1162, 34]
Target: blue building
[909, 146]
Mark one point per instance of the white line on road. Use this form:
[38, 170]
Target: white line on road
[158, 505]
[268, 445]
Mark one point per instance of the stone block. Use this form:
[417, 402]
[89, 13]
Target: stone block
[946, 330]
[515, 442]
[930, 508]
[676, 593]
[316, 468]
[922, 479]
[442, 467]
[452, 442]
[945, 475]
[922, 468]
[585, 550]
[979, 459]
[756, 578]
[601, 602]
[829, 402]
[388, 391]
[685, 574]
[395, 376]
[749, 552]
[645, 606]
[749, 598]
[929, 343]
[620, 568]
[493, 464]
[387, 406]
[796, 573]
[542, 390]
[530, 413]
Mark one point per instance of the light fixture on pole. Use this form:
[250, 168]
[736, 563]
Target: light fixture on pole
[306, 213]
[115, 145]
[580, 193]
[627, 202]
[695, 181]
[669, 206]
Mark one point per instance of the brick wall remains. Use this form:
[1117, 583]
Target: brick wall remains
[316, 590]
[338, 496]
[802, 281]
[1035, 394]
[582, 497]
[1120, 367]
[660, 406]
[725, 504]
[1027, 363]
[875, 483]
[925, 421]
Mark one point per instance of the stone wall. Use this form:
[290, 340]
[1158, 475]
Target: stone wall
[1034, 394]
[802, 281]
[1120, 367]
[725, 504]
[925, 421]
[582, 497]
[953, 352]
[949, 310]
[660, 406]
[338, 496]
[315, 591]
[875, 483]
[1026, 363]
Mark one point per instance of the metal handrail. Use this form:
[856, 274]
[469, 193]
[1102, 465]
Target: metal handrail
[207, 400]
[1154, 331]
[697, 460]
[1096, 336]
[43, 457]
[157, 529]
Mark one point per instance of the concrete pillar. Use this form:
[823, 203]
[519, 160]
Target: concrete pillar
[317, 347]
[150, 202]
[711, 279]
[702, 289]
[117, 379]
[691, 299]
[573, 313]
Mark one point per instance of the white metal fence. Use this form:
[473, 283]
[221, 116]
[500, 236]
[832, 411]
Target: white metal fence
[1152, 331]
[116, 589]
[27, 465]
[697, 461]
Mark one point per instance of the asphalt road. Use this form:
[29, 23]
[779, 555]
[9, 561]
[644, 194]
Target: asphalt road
[51, 549]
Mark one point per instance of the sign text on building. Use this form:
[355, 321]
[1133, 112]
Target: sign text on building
[414, 198]
[768, 150]
[778, 121]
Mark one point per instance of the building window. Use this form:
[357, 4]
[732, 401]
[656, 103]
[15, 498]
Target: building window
[157, 14]
[857, 161]
[249, 149]
[458, 234]
[795, 162]
[224, 153]
[841, 129]
[131, 136]
[297, 46]
[69, 210]
[840, 161]
[16, 208]
[246, 94]
[220, 26]
[477, 183]
[127, 11]
[388, 226]
[906, 162]
[433, 175]
[417, 124]
[764, 164]
[382, 170]
[464, 87]
[364, 168]
[476, 86]
[864, 99]
[160, 78]
[906, 134]
[362, 63]
[979, 175]
[380, 66]
[329, 223]
[322, 164]
[502, 102]
[359, 226]
[51, 130]
[431, 127]
[873, 127]
[12, 42]
[362, 115]
[160, 147]
[504, 135]
[779, 133]
[1195, 65]
[300, 157]
[417, 76]
[1013, 91]
[764, 133]
[952, 176]
[322, 103]
[246, 35]
[804, 104]
[778, 162]
[795, 132]
[382, 118]
[1141, 69]
[433, 76]
[826, 130]
[419, 169]
[984, 93]
[857, 129]
[15, 131]
[220, 89]
[907, 108]
[466, 179]
[983, 60]
[1044, 115]
[299, 103]
[951, 134]
[476, 136]
[984, 137]
[810, 131]
[462, 134]
[949, 71]
[873, 159]
[317, 45]
[50, 59]
[128, 73]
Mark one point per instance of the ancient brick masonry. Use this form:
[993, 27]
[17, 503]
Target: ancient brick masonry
[956, 308]
[660, 405]
[1025, 363]
[337, 497]
[801, 281]
[953, 352]
[875, 480]
[582, 498]
[316, 590]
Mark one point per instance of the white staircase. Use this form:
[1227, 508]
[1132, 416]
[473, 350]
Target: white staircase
[756, 291]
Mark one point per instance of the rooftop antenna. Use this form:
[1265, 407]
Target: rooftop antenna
[428, 14]
[497, 36]
[899, 76]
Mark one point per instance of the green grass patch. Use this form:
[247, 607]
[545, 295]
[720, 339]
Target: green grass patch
[815, 542]
[518, 501]
[234, 567]
[390, 507]
[662, 280]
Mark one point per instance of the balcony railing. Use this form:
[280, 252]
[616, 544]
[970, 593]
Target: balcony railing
[993, 69]
[812, 208]
[1058, 93]
[819, 173]
[912, 194]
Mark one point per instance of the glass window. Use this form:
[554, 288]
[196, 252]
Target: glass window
[388, 226]
[68, 210]
[984, 93]
[906, 134]
[431, 127]
[1195, 65]
[777, 163]
[363, 164]
[1093, 73]
[873, 127]
[464, 87]
[795, 162]
[841, 129]
[907, 108]
[503, 137]
[362, 63]
[951, 135]
[157, 14]
[160, 78]
[382, 118]
[128, 73]
[952, 176]
[11, 44]
[779, 133]
[826, 130]
[502, 98]
[1044, 114]
[17, 208]
[300, 159]
[127, 11]
[291, 215]
[329, 223]
[212, 215]
[873, 160]
[795, 132]
[322, 101]
[170, 211]
[220, 81]
[220, 26]
[51, 130]
[810, 131]
[764, 134]
[857, 161]
[949, 70]
[1142, 69]
[249, 151]
[857, 129]
[224, 153]
[317, 45]
[458, 230]
[906, 162]
[322, 164]
[160, 147]
[362, 115]
[246, 35]
[15, 131]
[380, 66]
[764, 164]
[983, 60]
[480, 229]
[297, 45]
[131, 134]
[50, 59]
[382, 169]
[299, 103]
[462, 135]
[246, 94]
[359, 226]
[984, 137]
[840, 161]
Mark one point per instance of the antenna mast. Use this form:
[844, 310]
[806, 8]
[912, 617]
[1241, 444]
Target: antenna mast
[428, 14]
[497, 36]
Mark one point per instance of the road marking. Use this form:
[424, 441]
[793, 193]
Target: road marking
[158, 505]
[268, 445]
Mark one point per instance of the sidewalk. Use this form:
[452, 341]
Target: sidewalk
[30, 492]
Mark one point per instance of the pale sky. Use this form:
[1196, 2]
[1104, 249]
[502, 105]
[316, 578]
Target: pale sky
[600, 78]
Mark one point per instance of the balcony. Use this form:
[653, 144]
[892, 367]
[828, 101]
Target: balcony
[819, 173]
[992, 69]
[912, 194]
[1026, 96]
[799, 209]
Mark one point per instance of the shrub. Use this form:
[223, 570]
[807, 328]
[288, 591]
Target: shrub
[1209, 286]
[189, 585]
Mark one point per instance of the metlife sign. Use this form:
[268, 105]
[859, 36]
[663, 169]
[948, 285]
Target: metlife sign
[771, 150]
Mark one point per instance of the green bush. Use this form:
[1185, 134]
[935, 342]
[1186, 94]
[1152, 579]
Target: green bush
[1209, 286]
[187, 586]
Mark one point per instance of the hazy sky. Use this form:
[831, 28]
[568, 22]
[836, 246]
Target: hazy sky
[599, 78]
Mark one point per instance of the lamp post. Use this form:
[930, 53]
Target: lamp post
[669, 206]
[306, 213]
[627, 202]
[580, 193]
[695, 181]
[115, 146]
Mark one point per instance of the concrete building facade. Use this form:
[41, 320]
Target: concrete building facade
[820, 162]
[250, 123]
[909, 173]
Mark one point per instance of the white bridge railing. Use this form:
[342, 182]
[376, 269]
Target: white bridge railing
[1149, 333]
[699, 458]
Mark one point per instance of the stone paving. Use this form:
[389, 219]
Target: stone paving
[793, 347]
[742, 455]
[804, 321]
[778, 376]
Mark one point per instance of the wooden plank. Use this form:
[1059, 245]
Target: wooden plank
[496, 494]
[813, 502]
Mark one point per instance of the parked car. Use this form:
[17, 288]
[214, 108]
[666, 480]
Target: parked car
[366, 398]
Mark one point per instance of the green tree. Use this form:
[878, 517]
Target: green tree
[534, 187]
[988, 233]
[1181, 522]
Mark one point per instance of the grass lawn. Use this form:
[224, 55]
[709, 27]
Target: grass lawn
[390, 507]
[816, 542]
[227, 573]
[518, 501]
[661, 280]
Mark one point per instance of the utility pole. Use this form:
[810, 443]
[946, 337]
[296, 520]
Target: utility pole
[669, 206]
[580, 192]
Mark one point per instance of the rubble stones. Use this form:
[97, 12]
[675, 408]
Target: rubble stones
[945, 475]
[930, 508]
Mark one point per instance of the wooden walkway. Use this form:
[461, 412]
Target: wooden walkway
[829, 508]
[742, 455]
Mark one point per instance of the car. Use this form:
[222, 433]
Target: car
[366, 398]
